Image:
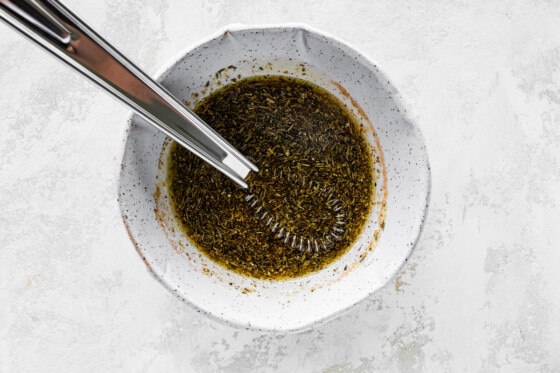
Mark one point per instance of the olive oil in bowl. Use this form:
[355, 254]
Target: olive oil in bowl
[311, 197]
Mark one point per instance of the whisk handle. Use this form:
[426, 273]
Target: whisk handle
[60, 32]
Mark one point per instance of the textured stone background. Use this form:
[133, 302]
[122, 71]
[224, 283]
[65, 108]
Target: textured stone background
[480, 292]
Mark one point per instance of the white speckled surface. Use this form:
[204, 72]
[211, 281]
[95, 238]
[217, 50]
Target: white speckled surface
[482, 80]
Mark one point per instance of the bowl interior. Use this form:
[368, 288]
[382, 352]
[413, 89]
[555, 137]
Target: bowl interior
[392, 228]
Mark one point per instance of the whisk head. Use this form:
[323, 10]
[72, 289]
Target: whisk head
[303, 242]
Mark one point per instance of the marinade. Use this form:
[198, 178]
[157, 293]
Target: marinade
[308, 202]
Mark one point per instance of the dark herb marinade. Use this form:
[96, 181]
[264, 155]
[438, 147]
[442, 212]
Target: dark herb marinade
[310, 152]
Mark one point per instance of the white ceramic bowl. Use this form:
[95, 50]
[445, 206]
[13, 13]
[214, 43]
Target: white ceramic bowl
[402, 190]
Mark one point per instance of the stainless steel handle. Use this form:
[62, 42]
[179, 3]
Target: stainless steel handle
[59, 31]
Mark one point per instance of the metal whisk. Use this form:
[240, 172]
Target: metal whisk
[55, 28]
